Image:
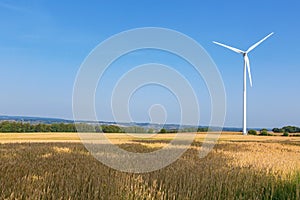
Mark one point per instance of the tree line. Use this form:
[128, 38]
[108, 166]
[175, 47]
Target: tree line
[287, 129]
[21, 127]
[185, 130]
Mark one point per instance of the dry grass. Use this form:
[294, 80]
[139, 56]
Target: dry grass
[38, 137]
[237, 168]
[277, 158]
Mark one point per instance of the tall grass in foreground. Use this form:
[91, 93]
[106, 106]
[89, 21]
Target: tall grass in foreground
[68, 171]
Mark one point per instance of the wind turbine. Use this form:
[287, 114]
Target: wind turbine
[246, 65]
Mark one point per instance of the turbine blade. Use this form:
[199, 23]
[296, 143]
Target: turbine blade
[248, 67]
[258, 43]
[229, 47]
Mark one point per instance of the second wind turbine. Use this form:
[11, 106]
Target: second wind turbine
[246, 65]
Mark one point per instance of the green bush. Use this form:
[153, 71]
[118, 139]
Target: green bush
[203, 129]
[252, 132]
[264, 132]
[277, 130]
[163, 130]
[111, 129]
[289, 129]
[285, 134]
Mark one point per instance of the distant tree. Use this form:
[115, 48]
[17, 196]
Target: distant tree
[150, 130]
[264, 132]
[252, 132]
[285, 134]
[203, 129]
[190, 129]
[83, 127]
[111, 129]
[173, 131]
[291, 129]
[38, 128]
[26, 127]
[163, 130]
[133, 129]
[277, 130]
[69, 128]
[98, 129]
[5, 127]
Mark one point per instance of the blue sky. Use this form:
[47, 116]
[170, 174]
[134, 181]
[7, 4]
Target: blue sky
[43, 43]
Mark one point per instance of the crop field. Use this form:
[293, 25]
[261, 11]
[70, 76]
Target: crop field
[57, 166]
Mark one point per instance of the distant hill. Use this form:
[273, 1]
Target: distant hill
[34, 120]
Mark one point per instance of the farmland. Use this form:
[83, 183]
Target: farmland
[57, 166]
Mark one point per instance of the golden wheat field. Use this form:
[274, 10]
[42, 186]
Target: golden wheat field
[57, 166]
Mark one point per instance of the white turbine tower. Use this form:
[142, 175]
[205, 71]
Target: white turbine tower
[246, 65]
